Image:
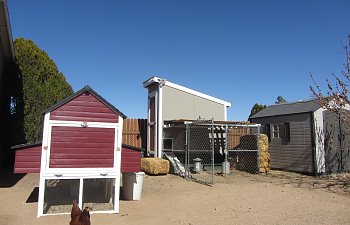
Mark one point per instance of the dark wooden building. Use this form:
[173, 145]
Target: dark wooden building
[304, 137]
[10, 89]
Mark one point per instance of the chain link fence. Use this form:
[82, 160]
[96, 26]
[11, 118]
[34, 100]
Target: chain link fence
[199, 150]
[199, 160]
[243, 149]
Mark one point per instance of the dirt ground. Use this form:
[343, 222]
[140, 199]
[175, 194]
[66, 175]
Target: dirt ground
[277, 198]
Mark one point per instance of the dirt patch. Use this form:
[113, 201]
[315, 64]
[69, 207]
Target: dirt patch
[339, 184]
[241, 198]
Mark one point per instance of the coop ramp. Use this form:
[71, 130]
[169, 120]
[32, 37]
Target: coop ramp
[178, 167]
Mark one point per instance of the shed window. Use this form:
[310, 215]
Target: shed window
[281, 131]
[168, 143]
[276, 132]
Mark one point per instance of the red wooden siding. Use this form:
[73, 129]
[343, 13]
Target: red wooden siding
[27, 160]
[85, 107]
[131, 160]
[79, 147]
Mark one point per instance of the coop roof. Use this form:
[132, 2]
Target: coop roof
[24, 146]
[165, 82]
[288, 108]
[81, 91]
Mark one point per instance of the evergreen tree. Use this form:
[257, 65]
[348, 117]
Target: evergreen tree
[280, 100]
[256, 108]
[43, 85]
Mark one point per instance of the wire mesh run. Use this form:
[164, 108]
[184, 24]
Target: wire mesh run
[59, 195]
[97, 193]
[243, 150]
[201, 149]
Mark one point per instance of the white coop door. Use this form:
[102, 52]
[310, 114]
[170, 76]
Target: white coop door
[76, 166]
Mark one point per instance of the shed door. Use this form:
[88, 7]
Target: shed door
[337, 142]
[82, 147]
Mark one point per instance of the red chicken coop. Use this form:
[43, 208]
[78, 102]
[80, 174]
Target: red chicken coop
[81, 155]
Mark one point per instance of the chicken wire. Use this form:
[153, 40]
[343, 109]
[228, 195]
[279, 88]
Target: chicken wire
[97, 193]
[205, 148]
[59, 195]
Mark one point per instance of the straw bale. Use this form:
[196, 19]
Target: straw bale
[264, 143]
[264, 170]
[264, 164]
[264, 155]
[155, 166]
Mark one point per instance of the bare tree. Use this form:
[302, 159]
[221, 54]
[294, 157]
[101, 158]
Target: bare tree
[336, 97]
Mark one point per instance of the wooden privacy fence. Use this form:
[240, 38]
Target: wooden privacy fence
[234, 136]
[135, 132]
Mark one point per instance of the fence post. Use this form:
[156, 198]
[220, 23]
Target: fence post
[187, 133]
[226, 151]
[258, 142]
[212, 149]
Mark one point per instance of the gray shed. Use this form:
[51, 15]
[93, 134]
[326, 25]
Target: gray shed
[170, 101]
[304, 137]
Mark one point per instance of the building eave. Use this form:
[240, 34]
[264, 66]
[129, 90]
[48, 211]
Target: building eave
[184, 89]
[5, 32]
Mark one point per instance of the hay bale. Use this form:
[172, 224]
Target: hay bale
[264, 155]
[264, 143]
[264, 170]
[155, 166]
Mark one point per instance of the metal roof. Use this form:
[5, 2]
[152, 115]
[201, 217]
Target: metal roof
[288, 108]
[91, 91]
[164, 82]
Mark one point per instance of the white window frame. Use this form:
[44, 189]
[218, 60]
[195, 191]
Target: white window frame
[279, 127]
[56, 123]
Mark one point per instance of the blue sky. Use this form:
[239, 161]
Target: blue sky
[243, 52]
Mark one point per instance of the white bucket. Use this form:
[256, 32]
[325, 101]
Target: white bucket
[225, 167]
[132, 186]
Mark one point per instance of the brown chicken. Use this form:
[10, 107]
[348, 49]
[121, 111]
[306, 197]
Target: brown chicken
[84, 218]
[79, 217]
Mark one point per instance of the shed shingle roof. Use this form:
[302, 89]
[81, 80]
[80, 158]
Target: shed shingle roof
[288, 108]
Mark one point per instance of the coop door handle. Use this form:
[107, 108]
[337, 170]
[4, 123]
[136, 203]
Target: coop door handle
[104, 174]
[84, 124]
[58, 175]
